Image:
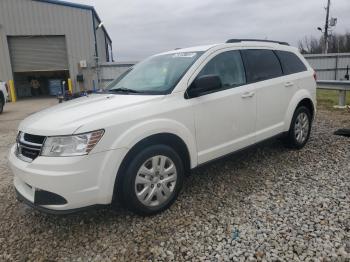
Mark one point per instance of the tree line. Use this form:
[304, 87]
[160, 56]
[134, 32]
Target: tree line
[337, 43]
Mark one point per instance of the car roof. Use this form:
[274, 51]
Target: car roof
[201, 48]
[245, 44]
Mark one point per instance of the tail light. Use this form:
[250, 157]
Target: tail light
[315, 76]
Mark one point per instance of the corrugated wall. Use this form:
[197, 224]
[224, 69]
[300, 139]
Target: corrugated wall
[110, 71]
[27, 17]
[329, 66]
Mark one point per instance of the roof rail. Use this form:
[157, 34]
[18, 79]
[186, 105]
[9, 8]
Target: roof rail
[255, 40]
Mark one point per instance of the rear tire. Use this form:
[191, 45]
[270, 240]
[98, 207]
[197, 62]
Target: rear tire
[152, 180]
[300, 128]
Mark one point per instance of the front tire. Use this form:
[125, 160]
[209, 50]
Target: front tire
[300, 128]
[152, 180]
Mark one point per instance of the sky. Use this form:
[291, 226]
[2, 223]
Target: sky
[140, 28]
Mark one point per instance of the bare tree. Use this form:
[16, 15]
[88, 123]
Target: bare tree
[337, 43]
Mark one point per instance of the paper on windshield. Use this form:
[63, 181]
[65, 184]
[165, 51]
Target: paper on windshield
[186, 55]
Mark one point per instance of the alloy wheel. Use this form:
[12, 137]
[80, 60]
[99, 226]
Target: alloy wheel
[155, 180]
[301, 128]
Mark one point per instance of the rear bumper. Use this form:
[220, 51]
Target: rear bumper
[63, 185]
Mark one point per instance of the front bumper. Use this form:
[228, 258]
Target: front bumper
[81, 181]
[24, 200]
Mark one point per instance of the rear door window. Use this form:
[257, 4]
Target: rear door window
[261, 64]
[290, 62]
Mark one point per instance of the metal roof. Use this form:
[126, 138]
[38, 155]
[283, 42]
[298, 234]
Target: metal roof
[80, 6]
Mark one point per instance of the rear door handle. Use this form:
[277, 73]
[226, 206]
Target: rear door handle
[288, 84]
[247, 94]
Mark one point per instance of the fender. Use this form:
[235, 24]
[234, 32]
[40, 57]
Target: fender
[298, 96]
[130, 137]
[140, 131]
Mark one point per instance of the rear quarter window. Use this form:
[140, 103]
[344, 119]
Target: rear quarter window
[290, 62]
[261, 64]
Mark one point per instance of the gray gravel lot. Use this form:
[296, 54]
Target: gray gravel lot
[267, 203]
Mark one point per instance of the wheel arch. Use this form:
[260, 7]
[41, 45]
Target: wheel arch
[301, 98]
[169, 139]
[307, 102]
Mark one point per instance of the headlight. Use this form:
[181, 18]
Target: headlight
[75, 145]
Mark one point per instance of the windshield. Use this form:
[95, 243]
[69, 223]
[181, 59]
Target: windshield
[155, 75]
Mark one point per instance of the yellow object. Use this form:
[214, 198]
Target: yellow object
[13, 96]
[70, 86]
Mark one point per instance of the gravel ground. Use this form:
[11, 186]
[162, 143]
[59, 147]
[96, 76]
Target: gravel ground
[267, 203]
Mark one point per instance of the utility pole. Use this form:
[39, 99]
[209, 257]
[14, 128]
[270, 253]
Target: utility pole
[330, 23]
[326, 28]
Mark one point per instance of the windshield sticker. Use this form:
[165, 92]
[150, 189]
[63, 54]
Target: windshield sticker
[189, 55]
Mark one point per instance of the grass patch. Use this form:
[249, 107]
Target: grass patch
[329, 98]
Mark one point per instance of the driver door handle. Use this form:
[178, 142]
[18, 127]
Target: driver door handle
[288, 84]
[248, 94]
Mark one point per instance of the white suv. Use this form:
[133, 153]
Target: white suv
[3, 95]
[167, 115]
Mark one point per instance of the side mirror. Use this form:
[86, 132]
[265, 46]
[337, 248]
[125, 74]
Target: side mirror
[204, 84]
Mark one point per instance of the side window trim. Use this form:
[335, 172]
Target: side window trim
[245, 68]
[279, 61]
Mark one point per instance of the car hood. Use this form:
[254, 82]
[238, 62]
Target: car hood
[66, 118]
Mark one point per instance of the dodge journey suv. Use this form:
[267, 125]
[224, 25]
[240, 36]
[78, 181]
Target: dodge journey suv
[168, 114]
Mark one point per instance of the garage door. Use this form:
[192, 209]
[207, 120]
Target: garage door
[38, 53]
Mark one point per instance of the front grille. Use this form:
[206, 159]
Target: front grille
[29, 146]
[34, 138]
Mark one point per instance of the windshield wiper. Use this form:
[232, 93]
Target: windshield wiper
[123, 89]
